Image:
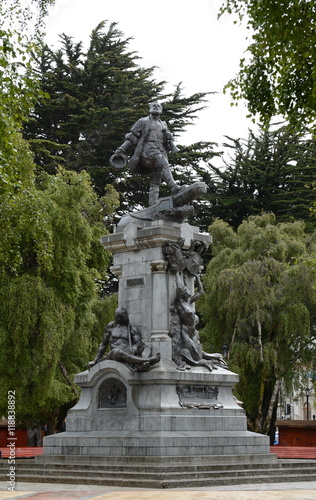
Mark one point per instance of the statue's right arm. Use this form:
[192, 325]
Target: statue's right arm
[131, 139]
[177, 299]
[200, 290]
[102, 347]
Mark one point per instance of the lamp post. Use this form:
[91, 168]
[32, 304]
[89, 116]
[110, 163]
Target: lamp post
[307, 392]
[225, 351]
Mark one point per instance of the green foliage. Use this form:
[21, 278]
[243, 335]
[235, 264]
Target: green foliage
[260, 299]
[19, 86]
[278, 77]
[34, 327]
[273, 171]
[16, 159]
[50, 313]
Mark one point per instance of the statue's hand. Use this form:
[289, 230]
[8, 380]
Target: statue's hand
[138, 348]
[119, 159]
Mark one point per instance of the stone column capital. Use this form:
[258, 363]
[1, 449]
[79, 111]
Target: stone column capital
[159, 266]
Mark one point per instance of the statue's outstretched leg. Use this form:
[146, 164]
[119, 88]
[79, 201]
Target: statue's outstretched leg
[155, 181]
[198, 362]
[161, 165]
[136, 360]
[216, 359]
[169, 180]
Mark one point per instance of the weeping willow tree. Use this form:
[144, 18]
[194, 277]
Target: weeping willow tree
[261, 300]
[51, 313]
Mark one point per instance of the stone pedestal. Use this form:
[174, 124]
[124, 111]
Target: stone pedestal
[161, 413]
[164, 412]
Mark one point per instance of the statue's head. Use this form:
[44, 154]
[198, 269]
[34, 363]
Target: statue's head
[121, 316]
[155, 108]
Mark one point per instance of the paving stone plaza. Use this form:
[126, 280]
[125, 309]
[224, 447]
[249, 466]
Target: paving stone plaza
[280, 491]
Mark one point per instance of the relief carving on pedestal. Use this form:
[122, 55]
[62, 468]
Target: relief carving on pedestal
[112, 394]
[198, 396]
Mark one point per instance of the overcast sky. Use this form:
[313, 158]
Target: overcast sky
[183, 38]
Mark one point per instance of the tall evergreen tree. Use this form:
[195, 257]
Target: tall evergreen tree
[271, 172]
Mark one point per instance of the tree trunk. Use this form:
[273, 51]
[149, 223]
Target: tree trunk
[69, 381]
[50, 424]
[233, 337]
[34, 436]
[258, 422]
[260, 339]
[274, 395]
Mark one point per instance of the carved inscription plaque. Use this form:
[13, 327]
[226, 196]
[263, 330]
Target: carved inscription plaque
[198, 396]
[112, 394]
[135, 282]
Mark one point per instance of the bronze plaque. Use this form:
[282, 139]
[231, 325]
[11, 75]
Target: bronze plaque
[198, 396]
[112, 394]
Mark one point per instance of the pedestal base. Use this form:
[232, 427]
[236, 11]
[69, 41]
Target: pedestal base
[161, 413]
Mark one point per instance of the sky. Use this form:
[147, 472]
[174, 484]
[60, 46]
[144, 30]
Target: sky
[183, 39]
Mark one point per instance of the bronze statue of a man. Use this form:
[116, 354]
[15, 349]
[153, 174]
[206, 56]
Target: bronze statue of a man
[149, 142]
[125, 343]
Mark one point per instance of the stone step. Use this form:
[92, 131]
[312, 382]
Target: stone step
[151, 468]
[164, 474]
[169, 483]
[95, 468]
[165, 461]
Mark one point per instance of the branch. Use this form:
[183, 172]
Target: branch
[67, 378]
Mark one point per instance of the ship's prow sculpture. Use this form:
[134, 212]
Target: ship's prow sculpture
[175, 208]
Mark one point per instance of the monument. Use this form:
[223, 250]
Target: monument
[155, 393]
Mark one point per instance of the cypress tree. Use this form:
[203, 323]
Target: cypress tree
[271, 172]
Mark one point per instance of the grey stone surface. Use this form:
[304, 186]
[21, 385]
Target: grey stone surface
[145, 287]
[163, 413]
[153, 423]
